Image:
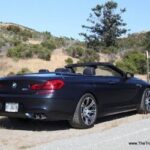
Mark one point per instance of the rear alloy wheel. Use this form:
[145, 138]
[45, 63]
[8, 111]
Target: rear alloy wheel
[145, 103]
[86, 112]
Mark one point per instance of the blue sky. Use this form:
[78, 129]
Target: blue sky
[65, 17]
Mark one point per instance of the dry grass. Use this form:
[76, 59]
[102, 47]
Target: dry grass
[58, 58]
[33, 41]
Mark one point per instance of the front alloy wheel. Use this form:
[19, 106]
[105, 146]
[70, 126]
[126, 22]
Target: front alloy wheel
[145, 103]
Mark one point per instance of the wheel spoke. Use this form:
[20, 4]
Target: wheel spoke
[147, 101]
[86, 121]
[91, 104]
[87, 100]
[92, 111]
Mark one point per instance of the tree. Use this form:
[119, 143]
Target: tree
[107, 25]
[133, 61]
[147, 41]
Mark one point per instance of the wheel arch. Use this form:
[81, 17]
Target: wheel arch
[92, 93]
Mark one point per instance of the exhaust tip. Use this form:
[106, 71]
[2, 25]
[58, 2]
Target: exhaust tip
[39, 116]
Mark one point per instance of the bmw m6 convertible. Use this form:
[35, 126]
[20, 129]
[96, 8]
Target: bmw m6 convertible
[79, 93]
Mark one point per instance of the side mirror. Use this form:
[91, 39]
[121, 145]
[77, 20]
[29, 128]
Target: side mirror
[129, 75]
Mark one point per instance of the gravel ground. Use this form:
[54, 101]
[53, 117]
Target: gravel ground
[118, 138]
[29, 134]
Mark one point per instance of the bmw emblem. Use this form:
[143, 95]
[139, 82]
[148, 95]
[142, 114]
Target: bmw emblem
[14, 85]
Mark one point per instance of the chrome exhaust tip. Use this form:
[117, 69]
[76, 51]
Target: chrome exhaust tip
[39, 116]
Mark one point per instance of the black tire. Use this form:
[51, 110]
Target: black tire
[143, 108]
[77, 121]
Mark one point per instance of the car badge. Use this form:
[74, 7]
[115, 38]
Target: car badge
[14, 85]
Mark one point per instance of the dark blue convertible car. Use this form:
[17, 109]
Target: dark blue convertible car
[78, 93]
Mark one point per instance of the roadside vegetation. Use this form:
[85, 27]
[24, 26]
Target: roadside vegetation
[134, 62]
[104, 34]
[29, 51]
[18, 42]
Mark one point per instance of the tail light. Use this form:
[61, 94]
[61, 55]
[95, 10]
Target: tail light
[48, 85]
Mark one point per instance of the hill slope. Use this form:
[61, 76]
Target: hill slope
[58, 58]
[12, 36]
[22, 47]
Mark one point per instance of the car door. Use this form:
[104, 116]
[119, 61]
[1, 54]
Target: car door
[112, 89]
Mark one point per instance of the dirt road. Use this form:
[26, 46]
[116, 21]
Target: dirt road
[28, 134]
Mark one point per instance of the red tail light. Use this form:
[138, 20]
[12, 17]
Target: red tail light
[48, 85]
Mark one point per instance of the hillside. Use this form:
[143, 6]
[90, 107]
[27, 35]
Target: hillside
[18, 42]
[13, 36]
[9, 65]
[25, 48]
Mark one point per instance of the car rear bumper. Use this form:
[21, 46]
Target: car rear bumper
[38, 108]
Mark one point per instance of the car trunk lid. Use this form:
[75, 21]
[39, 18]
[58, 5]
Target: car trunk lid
[21, 84]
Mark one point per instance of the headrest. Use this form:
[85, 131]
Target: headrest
[43, 71]
[89, 71]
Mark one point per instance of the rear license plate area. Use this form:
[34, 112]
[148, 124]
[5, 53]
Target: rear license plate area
[11, 107]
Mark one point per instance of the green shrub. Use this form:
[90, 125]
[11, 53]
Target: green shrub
[23, 71]
[13, 28]
[23, 34]
[49, 44]
[44, 54]
[60, 42]
[47, 35]
[26, 33]
[11, 73]
[134, 62]
[15, 52]
[29, 51]
[109, 50]
[89, 56]
[69, 61]
[126, 66]
[15, 42]
[76, 51]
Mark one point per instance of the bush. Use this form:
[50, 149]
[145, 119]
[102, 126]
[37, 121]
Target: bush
[26, 33]
[134, 62]
[110, 50]
[76, 51]
[60, 42]
[11, 74]
[84, 55]
[29, 51]
[69, 61]
[44, 54]
[89, 56]
[23, 71]
[49, 44]
[15, 42]
[13, 28]
[23, 33]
